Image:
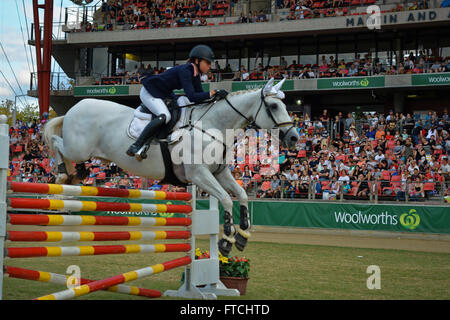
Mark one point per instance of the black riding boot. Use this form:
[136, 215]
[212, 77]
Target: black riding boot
[149, 131]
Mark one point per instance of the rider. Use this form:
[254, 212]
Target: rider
[158, 87]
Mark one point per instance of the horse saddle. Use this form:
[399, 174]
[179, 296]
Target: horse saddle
[142, 116]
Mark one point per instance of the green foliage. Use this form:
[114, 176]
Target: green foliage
[234, 267]
[229, 267]
[26, 114]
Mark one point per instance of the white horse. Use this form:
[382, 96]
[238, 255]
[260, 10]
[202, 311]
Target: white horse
[98, 129]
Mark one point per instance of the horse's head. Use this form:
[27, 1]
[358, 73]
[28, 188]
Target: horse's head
[272, 113]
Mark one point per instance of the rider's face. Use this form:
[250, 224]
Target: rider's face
[205, 66]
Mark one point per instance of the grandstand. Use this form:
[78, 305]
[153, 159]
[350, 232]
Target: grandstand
[354, 91]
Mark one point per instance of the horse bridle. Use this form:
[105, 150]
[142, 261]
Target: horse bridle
[252, 122]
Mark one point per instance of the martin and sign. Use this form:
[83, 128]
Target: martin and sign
[400, 17]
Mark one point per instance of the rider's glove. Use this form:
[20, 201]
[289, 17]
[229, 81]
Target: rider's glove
[221, 94]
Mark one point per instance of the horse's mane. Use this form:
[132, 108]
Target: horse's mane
[236, 93]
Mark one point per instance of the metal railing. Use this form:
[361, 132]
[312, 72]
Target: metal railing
[218, 76]
[358, 128]
[58, 81]
[377, 190]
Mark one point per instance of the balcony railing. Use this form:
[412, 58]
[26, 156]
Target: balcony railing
[58, 81]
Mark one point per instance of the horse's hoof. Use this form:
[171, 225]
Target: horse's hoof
[225, 247]
[241, 242]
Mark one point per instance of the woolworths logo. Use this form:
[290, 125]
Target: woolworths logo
[410, 220]
[366, 82]
[383, 218]
[353, 83]
[427, 79]
[101, 90]
[111, 90]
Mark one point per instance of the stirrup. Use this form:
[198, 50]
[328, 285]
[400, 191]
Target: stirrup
[142, 153]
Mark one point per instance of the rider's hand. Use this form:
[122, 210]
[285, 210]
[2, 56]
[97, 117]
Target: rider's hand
[221, 93]
[212, 93]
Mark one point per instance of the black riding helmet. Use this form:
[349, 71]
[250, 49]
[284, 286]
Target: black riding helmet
[202, 51]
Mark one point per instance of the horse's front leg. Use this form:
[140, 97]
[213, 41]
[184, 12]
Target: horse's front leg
[204, 179]
[230, 184]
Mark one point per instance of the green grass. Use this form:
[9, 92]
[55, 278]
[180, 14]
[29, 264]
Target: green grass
[278, 271]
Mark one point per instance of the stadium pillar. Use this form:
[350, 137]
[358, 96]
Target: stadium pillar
[399, 102]
[43, 52]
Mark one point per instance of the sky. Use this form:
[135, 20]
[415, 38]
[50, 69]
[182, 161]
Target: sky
[14, 24]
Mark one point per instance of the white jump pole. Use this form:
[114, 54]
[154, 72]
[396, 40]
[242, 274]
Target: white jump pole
[203, 271]
[4, 158]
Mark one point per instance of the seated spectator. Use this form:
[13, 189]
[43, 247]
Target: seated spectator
[299, 15]
[371, 133]
[436, 67]
[416, 189]
[262, 17]
[120, 71]
[244, 74]
[323, 67]
[353, 70]
[291, 176]
[291, 16]
[362, 188]
[124, 183]
[304, 181]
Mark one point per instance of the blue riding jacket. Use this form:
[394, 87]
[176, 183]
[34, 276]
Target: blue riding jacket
[179, 77]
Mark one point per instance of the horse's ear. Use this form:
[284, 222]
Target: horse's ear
[277, 87]
[268, 87]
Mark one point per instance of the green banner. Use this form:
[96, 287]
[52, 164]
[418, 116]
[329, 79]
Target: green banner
[351, 83]
[378, 217]
[335, 215]
[288, 85]
[100, 91]
[205, 87]
[430, 79]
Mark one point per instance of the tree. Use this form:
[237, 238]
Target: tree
[26, 114]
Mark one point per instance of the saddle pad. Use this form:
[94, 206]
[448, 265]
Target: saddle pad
[141, 119]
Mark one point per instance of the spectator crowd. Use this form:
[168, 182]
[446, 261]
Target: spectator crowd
[393, 155]
[140, 14]
[422, 62]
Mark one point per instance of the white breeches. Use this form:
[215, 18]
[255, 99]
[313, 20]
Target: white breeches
[157, 105]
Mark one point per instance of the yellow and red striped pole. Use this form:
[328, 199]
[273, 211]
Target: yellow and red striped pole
[28, 252]
[122, 278]
[42, 276]
[84, 220]
[57, 236]
[76, 205]
[69, 190]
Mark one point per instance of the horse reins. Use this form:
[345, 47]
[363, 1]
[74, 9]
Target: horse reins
[250, 122]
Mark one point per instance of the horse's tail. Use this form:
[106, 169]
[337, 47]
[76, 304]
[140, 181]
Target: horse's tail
[54, 127]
